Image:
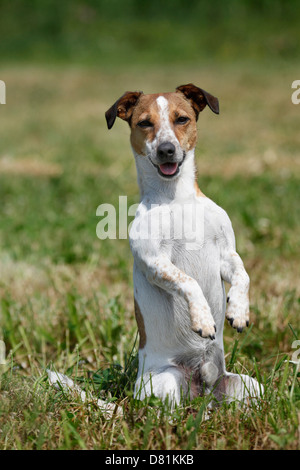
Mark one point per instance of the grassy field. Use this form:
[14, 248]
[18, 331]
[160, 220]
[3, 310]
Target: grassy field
[66, 297]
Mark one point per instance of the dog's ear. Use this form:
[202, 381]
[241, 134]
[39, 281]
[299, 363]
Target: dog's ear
[199, 98]
[122, 108]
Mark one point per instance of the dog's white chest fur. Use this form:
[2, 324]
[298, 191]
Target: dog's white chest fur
[190, 234]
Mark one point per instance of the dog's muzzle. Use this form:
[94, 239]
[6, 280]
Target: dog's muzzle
[166, 165]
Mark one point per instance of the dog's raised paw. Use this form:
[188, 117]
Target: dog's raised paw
[238, 323]
[205, 334]
[237, 312]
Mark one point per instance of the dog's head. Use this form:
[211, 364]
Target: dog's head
[163, 126]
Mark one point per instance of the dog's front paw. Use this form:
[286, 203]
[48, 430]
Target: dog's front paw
[237, 309]
[202, 321]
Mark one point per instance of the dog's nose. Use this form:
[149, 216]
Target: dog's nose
[165, 151]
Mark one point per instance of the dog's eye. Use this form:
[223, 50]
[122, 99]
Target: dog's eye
[182, 120]
[145, 123]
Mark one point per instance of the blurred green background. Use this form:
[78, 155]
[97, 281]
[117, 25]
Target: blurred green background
[119, 32]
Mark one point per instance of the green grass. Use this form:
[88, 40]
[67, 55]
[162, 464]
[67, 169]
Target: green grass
[66, 298]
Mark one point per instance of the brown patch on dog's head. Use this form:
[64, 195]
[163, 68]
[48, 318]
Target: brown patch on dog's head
[186, 133]
[140, 324]
[146, 110]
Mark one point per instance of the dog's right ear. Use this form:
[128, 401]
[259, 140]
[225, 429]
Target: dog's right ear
[123, 107]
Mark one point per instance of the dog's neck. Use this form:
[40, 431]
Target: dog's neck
[158, 190]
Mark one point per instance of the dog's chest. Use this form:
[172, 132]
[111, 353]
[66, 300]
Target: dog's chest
[186, 231]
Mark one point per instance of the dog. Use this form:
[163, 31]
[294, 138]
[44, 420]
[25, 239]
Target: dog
[179, 294]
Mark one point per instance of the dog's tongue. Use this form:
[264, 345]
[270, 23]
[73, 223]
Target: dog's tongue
[168, 168]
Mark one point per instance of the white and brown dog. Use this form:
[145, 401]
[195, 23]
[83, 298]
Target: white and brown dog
[180, 300]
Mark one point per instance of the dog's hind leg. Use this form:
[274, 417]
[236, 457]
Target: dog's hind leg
[240, 388]
[167, 384]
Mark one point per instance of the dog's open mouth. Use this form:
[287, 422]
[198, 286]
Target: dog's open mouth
[168, 169]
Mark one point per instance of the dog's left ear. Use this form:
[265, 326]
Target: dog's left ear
[122, 108]
[199, 98]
